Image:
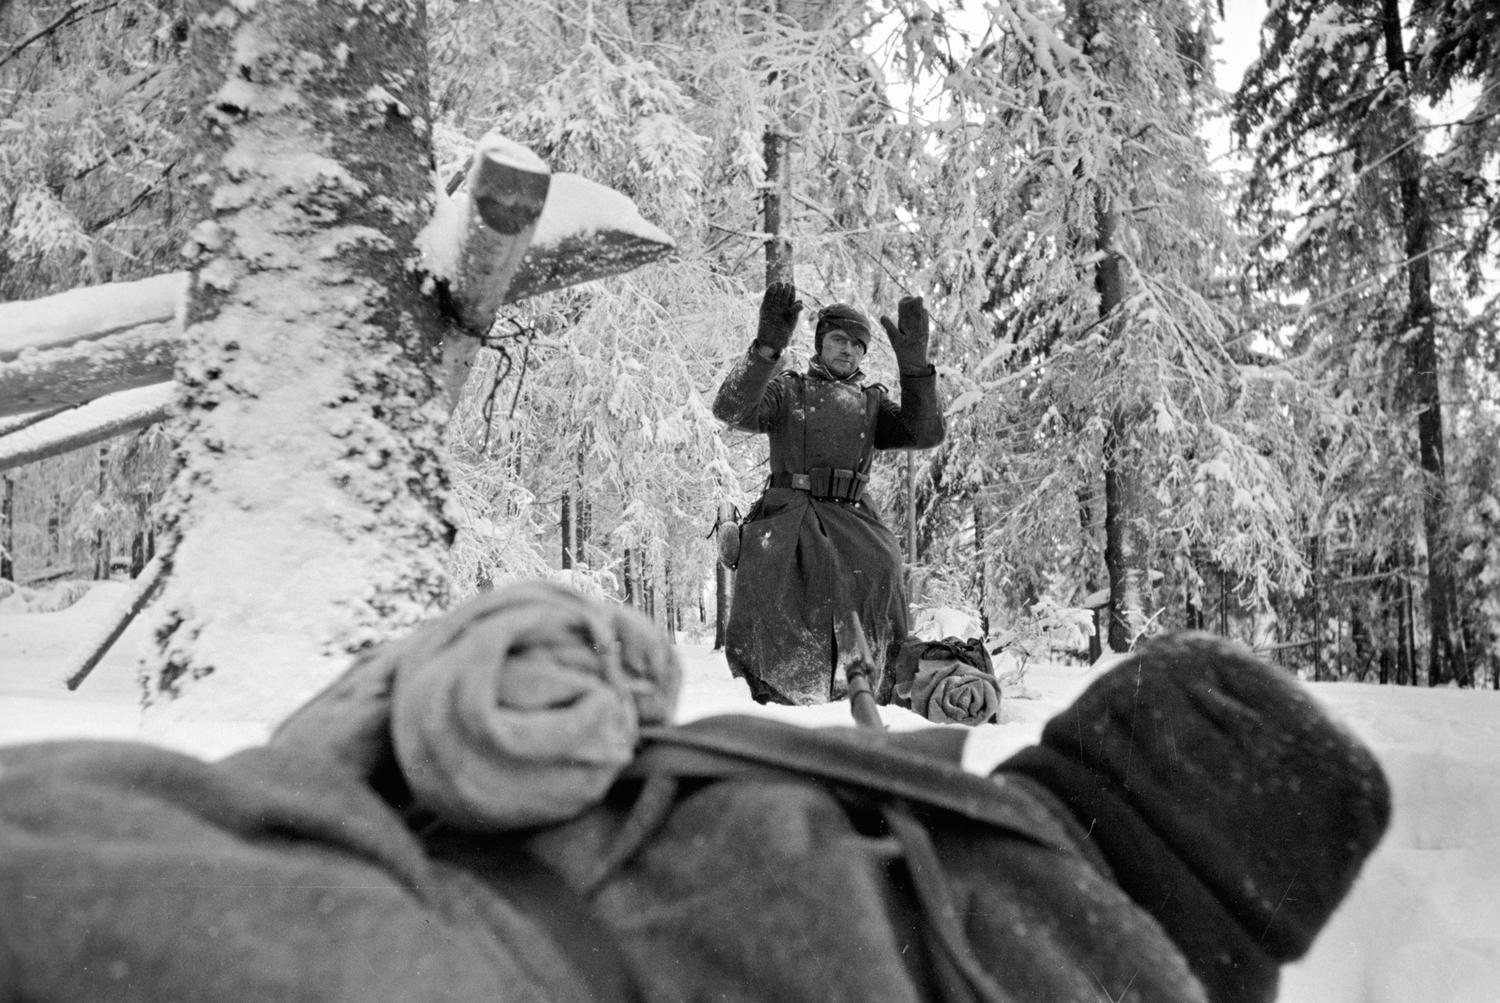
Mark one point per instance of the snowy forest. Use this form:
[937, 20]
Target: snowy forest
[1246, 386]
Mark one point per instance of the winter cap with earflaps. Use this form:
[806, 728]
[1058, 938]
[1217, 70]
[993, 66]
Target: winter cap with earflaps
[1228, 803]
[845, 318]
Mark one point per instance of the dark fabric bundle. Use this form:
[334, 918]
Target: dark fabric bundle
[1229, 804]
[951, 681]
[130, 873]
[284, 873]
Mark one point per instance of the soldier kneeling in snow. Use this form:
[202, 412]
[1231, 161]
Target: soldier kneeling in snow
[816, 563]
[498, 808]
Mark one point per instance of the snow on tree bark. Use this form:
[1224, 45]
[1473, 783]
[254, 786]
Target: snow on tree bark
[307, 513]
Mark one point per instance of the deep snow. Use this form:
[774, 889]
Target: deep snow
[1423, 923]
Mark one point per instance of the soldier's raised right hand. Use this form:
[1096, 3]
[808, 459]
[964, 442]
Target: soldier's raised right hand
[779, 309]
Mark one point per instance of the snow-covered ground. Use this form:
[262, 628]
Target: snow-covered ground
[1423, 924]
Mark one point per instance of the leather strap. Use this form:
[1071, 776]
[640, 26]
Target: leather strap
[896, 773]
[921, 767]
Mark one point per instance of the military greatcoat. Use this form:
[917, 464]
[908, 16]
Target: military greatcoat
[814, 551]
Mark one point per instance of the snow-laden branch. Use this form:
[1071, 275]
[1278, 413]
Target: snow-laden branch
[90, 313]
[63, 350]
[108, 416]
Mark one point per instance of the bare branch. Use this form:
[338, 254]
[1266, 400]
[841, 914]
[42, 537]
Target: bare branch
[70, 16]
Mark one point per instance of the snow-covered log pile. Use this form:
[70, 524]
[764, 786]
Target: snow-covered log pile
[82, 366]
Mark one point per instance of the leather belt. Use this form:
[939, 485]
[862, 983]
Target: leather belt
[824, 483]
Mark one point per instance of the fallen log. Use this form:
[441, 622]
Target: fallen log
[89, 367]
[108, 416]
[92, 312]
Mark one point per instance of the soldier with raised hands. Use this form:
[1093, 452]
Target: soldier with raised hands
[816, 562]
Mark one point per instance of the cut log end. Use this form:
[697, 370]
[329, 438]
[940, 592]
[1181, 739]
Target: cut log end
[507, 198]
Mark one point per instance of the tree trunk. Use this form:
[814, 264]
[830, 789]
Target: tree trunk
[1448, 658]
[1406, 658]
[101, 541]
[981, 571]
[307, 513]
[630, 581]
[777, 190]
[1123, 556]
[1124, 551]
[670, 602]
[8, 531]
[909, 475]
[565, 524]
[647, 585]
[583, 512]
[1090, 582]
[778, 269]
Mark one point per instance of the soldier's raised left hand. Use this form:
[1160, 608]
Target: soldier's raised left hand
[909, 334]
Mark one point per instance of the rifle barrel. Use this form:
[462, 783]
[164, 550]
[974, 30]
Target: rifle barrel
[857, 673]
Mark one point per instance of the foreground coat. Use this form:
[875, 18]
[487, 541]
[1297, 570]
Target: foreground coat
[813, 554]
[415, 833]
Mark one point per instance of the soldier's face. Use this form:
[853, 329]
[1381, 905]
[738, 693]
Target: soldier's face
[841, 354]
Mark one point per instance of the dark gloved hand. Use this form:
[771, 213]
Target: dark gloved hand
[908, 336]
[779, 309]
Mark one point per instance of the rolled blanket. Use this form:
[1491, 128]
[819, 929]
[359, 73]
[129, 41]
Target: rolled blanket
[948, 691]
[517, 709]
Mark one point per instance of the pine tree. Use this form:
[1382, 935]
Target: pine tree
[93, 145]
[1072, 221]
[1333, 108]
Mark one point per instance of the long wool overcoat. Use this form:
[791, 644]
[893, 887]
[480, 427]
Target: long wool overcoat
[807, 563]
